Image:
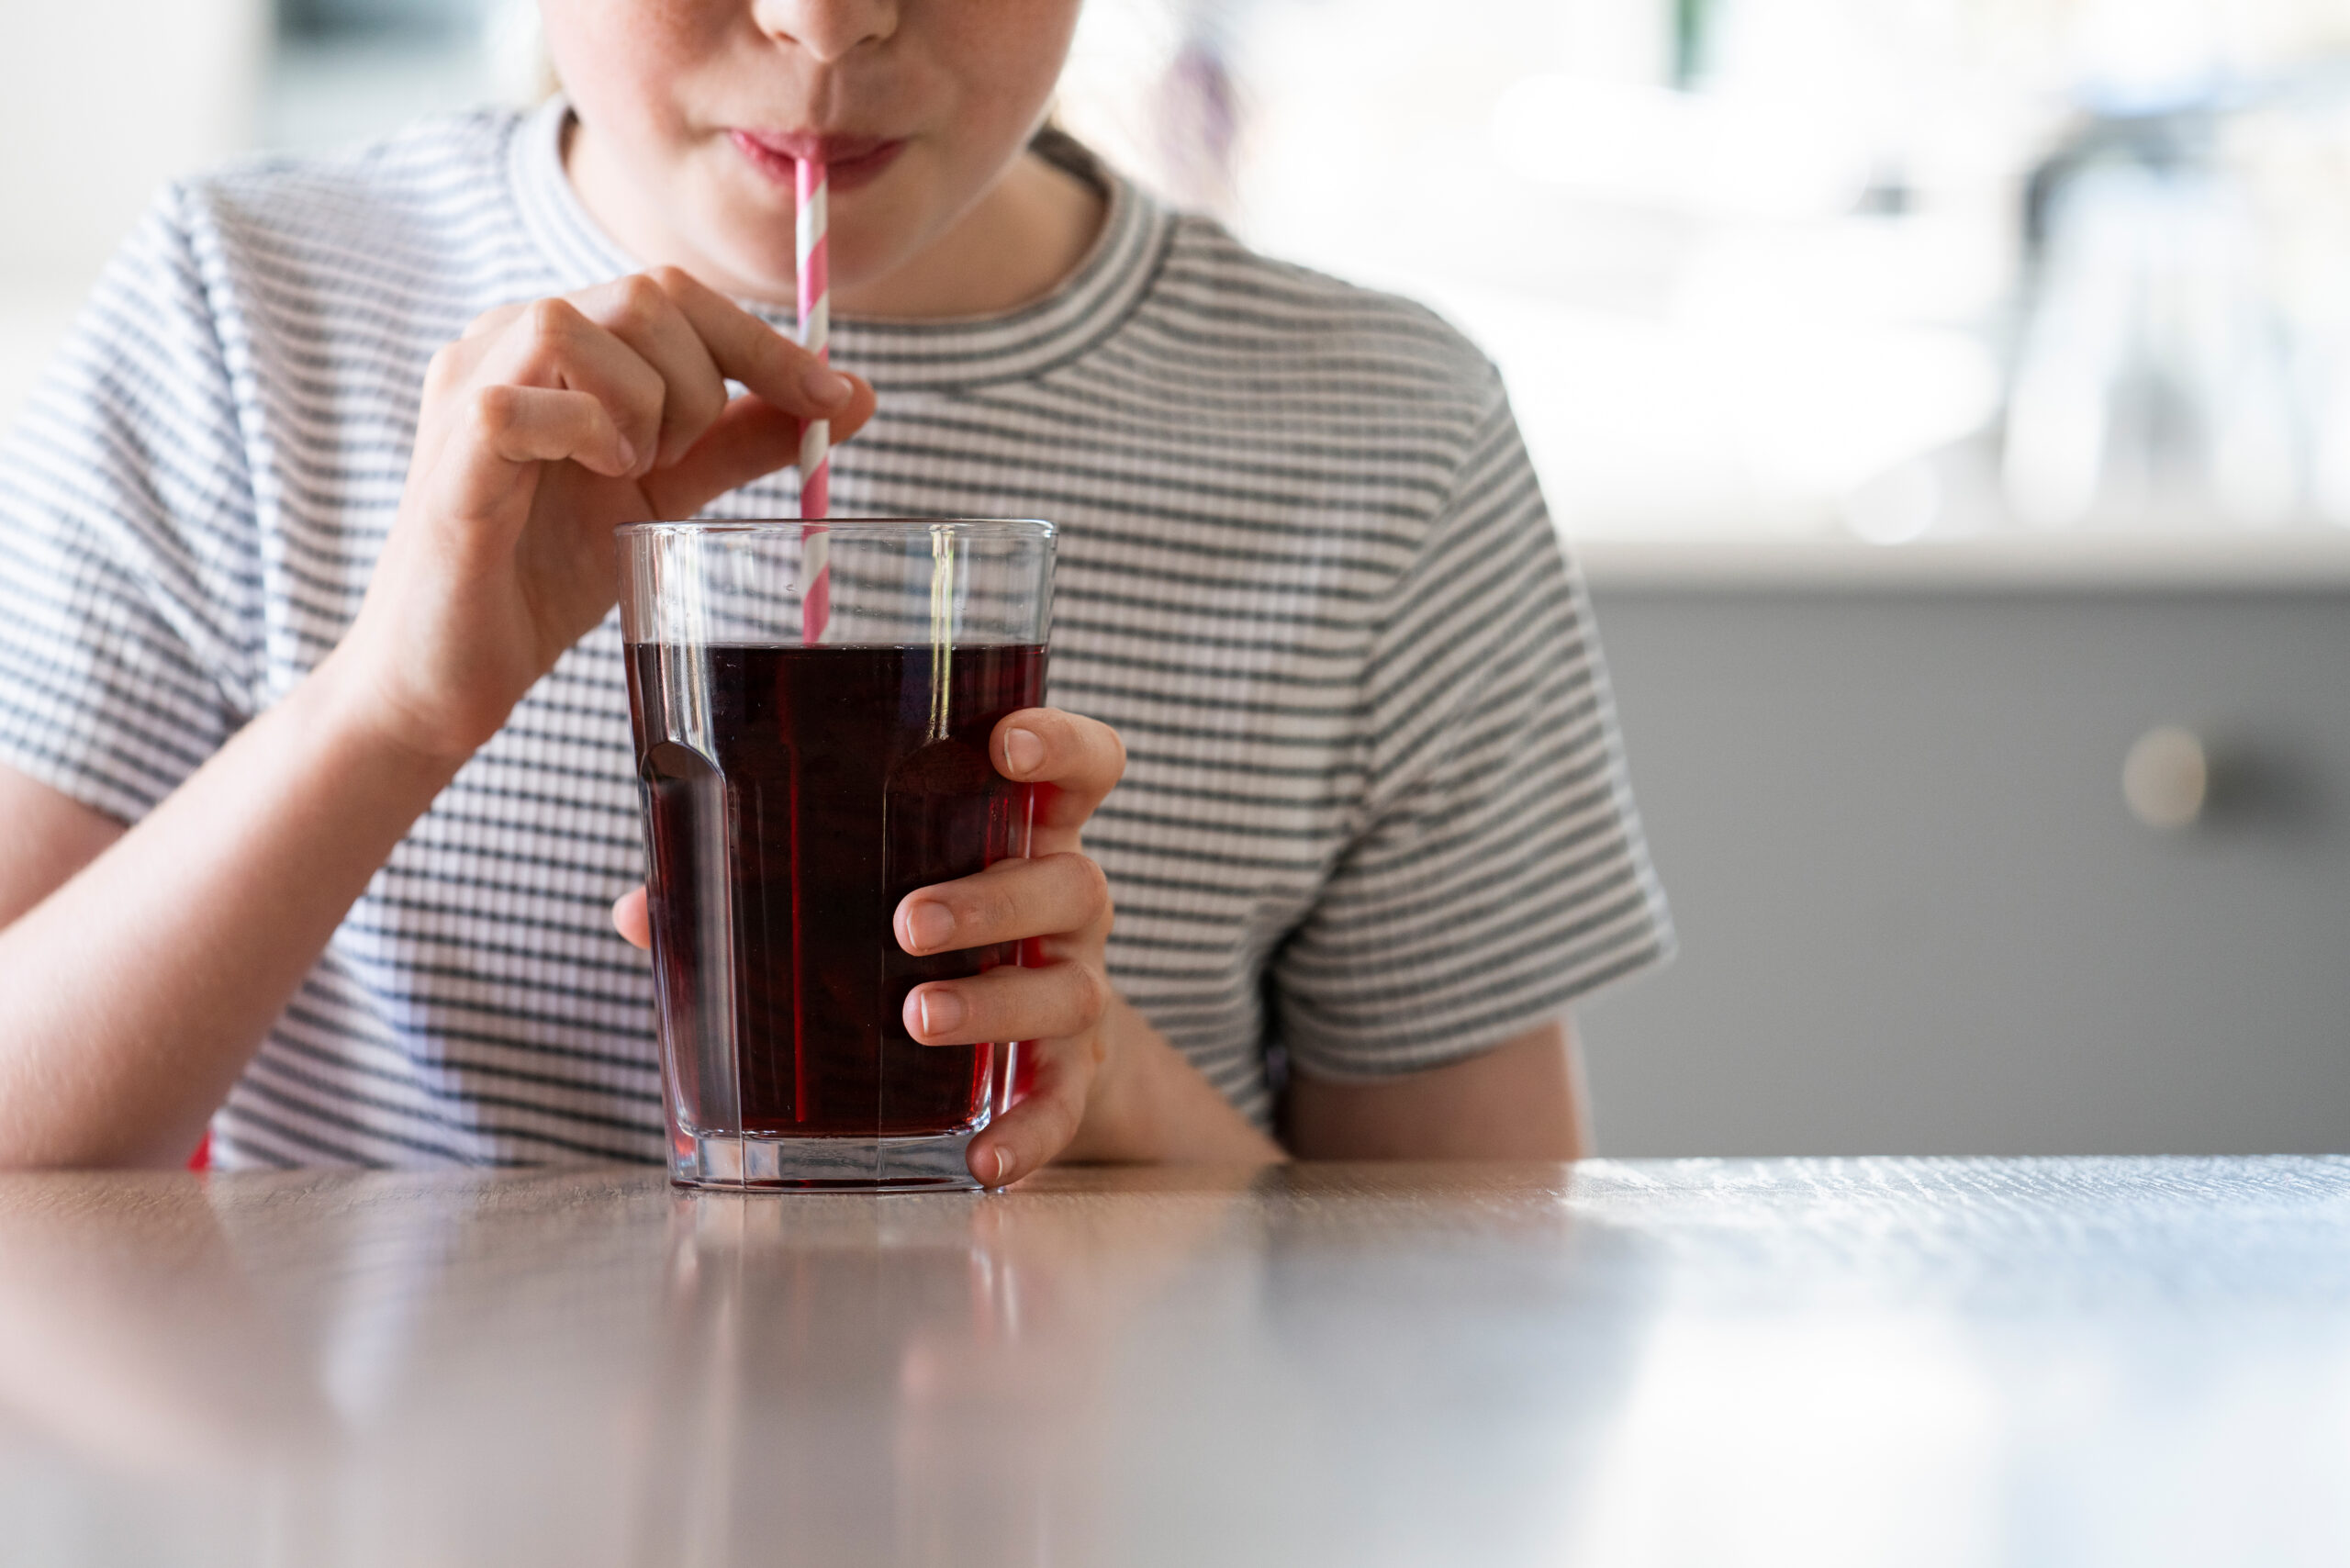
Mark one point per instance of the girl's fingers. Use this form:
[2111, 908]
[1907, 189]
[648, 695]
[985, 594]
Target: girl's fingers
[752, 438]
[540, 424]
[1008, 1005]
[1011, 900]
[641, 315]
[1024, 1139]
[487, 471]
[446, 380]
[554, 345]
[484, 468]
[633, 919]
[658, 348]
[494, 320]
[850, 417]
[755, 354]
[1079, 760]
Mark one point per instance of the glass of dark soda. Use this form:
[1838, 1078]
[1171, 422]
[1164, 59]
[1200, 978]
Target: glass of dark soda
[812, 704]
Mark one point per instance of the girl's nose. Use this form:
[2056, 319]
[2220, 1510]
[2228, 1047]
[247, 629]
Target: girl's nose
[827, 29]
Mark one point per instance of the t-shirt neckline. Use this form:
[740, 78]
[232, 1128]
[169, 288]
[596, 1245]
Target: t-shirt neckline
[1106, 287]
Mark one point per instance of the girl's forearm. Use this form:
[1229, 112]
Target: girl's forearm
[132, 996]
[1152, 1105]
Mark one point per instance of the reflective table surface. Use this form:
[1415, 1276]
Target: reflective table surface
[1701, 1362]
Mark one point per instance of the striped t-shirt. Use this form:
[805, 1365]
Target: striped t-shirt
[1375, 817]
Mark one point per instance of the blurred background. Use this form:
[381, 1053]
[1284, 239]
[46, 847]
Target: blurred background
[1948, 400]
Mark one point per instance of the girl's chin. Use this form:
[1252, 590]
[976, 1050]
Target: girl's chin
[752, 264]
[750, 261]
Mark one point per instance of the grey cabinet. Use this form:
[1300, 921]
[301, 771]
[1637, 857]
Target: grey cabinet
[1915, 914]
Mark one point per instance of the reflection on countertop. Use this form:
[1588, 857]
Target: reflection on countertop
[1697, 1361]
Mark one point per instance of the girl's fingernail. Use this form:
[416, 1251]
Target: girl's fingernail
[827, 384]
[627, 455]
[1023, 752]
[941, 1011]
[929, 925]
[1002, 1165]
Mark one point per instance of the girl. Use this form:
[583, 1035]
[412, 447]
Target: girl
[313, 739]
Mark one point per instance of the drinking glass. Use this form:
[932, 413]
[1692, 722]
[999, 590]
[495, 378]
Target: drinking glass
[812, 705]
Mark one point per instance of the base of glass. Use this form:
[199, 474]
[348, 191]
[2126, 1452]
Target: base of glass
[759, 1163]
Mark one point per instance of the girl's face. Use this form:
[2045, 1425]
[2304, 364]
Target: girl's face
[692, 112]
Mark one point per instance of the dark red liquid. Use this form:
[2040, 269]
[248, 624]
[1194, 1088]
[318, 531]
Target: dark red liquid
[836, 783]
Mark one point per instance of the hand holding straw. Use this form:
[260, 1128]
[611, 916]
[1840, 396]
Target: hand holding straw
[816, 435]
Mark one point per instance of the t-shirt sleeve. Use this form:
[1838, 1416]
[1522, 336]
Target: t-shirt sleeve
[126, 569]
[1499, 871]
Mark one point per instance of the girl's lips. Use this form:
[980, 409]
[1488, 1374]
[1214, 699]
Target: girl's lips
[849, 160]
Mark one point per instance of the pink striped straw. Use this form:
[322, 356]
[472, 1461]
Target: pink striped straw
[816, 435]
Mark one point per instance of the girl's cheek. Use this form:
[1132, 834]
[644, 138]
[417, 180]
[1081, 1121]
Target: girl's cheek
[624, 56]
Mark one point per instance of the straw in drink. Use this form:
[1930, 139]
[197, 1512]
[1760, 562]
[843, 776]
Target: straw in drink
[816, 435]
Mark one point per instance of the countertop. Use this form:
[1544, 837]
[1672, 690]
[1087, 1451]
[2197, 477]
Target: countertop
[1872, 1361]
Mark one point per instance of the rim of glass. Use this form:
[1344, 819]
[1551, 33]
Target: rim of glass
[877, 527]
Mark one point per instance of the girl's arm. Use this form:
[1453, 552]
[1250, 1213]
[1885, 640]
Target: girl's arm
[1522, 1100]
[1152, 1105]
[49, 837]
[132, 994]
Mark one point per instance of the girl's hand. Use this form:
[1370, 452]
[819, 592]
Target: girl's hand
[1056, 905]
[542, 429]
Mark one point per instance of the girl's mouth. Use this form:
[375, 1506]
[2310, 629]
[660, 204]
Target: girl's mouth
[849, 160]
